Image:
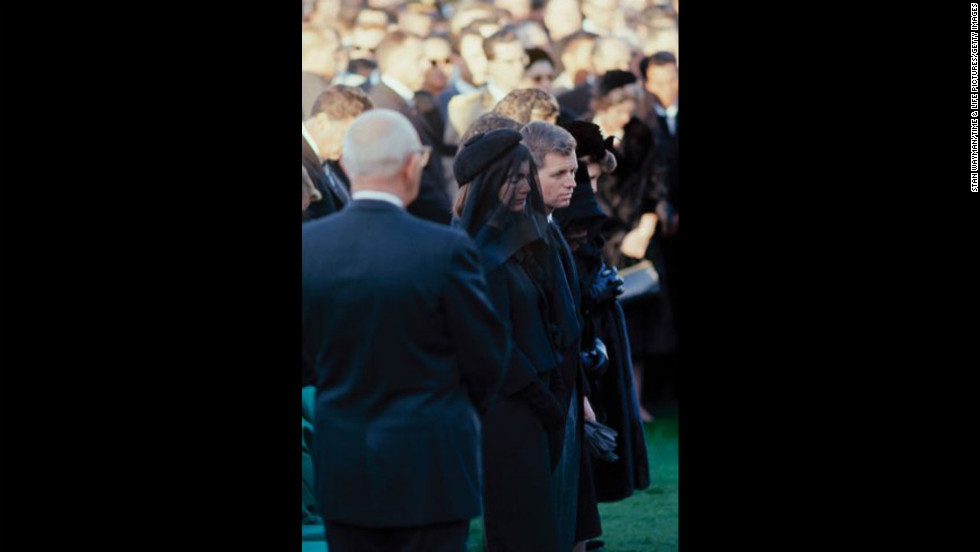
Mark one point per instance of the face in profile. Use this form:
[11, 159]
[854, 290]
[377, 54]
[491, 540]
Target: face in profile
[557, 177]
[514, 192]
[507, 66]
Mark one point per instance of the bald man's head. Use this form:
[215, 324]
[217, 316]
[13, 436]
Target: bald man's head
[382, 151]
[378, 141]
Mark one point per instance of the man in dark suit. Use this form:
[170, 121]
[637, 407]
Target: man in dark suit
[333, 112]
[401, 60]
[407, 351]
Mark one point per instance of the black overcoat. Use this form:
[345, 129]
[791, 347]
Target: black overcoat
[407, 349]
[518, 513]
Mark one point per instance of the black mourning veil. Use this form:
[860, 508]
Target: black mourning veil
[486, 164]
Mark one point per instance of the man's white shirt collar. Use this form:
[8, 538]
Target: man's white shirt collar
[381, 196]
[399, 88]
[309, 140]
[495, 91]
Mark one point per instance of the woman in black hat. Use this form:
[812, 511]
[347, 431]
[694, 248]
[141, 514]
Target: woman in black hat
[501, 207]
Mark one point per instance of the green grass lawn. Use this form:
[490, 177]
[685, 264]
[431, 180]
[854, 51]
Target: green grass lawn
[646, 521]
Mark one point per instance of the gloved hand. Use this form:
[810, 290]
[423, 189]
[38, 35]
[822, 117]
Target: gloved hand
[608, 285]
[595, 359]
[544, 404]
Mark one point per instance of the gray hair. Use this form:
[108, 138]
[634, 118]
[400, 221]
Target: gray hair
[543, 138]
[377, 143]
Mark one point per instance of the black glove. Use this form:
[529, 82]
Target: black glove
[596, 359]
[601, 441]
[544, 404]
[608, 285]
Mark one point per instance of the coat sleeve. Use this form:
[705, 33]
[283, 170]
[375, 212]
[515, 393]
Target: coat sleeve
[520, 371]
[481, 339]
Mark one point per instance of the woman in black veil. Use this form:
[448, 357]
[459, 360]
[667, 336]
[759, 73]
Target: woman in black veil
[501, 207]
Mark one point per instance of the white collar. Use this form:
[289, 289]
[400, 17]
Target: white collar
[551, 219]
[670, 112]
[309, 140]
[399, 88]
[495, 91]
[380, 196]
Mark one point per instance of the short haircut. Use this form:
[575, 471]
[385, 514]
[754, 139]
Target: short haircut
[543, 138]
[340, 101]
[657, 59]
[504, 35]
[519, 104]
[389, 45]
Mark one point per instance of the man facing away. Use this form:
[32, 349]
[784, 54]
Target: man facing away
[407, 351]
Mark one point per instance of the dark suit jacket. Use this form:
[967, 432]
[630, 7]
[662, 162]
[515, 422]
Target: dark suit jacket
[433, 202]
[407, 349]
[332, 201]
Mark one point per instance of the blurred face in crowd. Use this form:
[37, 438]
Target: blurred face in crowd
[662, 83]
[321, 53]
[417, 23]
[365, 40]
[325, 12]
[577, 59]
[562, 17]
[601, 12]
[539, 75]
[507, 66]
[612, 119]
[557, 177]
[440, 58]
[408, 64]
[471, 50]
[611, 53]
[514, 192]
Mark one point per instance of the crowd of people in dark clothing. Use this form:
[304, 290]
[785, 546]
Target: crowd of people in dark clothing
[490, 232]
